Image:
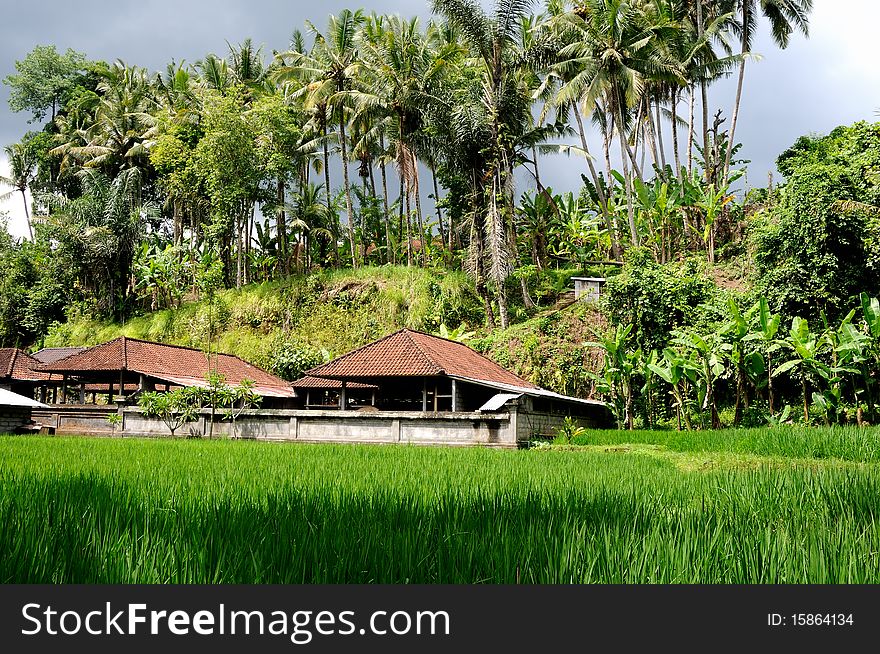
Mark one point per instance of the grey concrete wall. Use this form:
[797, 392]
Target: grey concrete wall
[506, 429]
[11, 418]
[339, 427]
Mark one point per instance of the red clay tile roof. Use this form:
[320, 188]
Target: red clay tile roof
[410, 353]
[329, 384]
[18, 365]
[53, 354]
[161, 361]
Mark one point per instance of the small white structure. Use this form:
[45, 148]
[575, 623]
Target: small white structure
[15, 411]
[588, 289]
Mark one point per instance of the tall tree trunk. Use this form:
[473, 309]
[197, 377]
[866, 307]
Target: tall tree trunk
[675, 148]
[349, 206]
[600, 191]
[660, 136]
[437, 206]
[731, 142]
[332, 216]
[420, 220]
[630, 209]
[27, 214]
[701, 30]
[691, 132]
[281, 229]
[390, 255]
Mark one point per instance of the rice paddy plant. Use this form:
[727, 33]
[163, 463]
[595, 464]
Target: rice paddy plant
[139, 511]
[843, 443]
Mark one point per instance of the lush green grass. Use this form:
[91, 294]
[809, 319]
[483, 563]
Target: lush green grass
[90, 510]
[844, 443]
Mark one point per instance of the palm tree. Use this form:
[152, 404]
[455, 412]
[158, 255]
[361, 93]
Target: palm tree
[505, 104]
[328, 72]
[786, 17]
[120, 133]
[615, 52]
[401, 69]
[23, 168]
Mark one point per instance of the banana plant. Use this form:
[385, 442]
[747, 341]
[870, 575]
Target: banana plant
[676, 370]
[807, 348]
[617, 379]
[708, 355]
[768, 330]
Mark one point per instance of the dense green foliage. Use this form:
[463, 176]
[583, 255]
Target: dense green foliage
[818, 247]
[290, 326]
[114, 511]
[141, 179]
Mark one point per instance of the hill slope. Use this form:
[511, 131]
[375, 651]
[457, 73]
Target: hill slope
[287, 327]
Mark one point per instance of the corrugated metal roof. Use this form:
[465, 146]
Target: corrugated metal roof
[53, 354]
[498, 401]
[18, 365]
[8, 398]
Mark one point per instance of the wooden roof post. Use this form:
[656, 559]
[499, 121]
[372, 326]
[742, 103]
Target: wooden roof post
[454, 397]
[343, 400]
[424, 396]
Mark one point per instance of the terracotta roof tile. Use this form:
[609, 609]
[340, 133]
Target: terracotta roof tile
[410, 353]
[158, 360]
[329, 384]
[18, 365]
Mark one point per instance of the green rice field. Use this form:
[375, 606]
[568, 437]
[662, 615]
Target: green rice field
[767, 506]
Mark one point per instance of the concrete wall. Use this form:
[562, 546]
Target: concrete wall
[505, 429]
[11, 418]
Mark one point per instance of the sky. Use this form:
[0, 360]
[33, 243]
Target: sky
[815, 85]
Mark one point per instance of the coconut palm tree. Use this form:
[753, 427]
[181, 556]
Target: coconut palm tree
[616, 52]
[327, 73]
[504, 108]
[785, 17]
[23, 168]
[122, 128]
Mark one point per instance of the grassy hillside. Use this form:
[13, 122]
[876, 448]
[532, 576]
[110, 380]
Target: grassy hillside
[289, 326]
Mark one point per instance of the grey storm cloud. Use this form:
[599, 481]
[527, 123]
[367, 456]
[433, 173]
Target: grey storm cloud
[812, 87]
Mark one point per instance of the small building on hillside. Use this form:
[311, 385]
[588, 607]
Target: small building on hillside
[588, 289]
[15, 411]
[410, 371]
[126, 365]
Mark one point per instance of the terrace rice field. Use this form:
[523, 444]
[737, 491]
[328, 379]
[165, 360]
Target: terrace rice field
[768, 506]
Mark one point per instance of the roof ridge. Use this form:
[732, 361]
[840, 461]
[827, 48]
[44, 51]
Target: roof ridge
[479, 354]
[421, 351]
[12, 361]
[354, 351]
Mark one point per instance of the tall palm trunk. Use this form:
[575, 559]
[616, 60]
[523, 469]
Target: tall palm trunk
[675, 148]
[27, 214]
[600, 191]
[331, 215]
[437, 206]
[349, 205]
[281, 228]
[691, 132]
[660, 135]
[390, 255]
[630, 208]
[734, 117]
[420, 221]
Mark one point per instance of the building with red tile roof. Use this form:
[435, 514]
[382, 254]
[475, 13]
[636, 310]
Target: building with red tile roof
[156, 365]
[418, 371]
